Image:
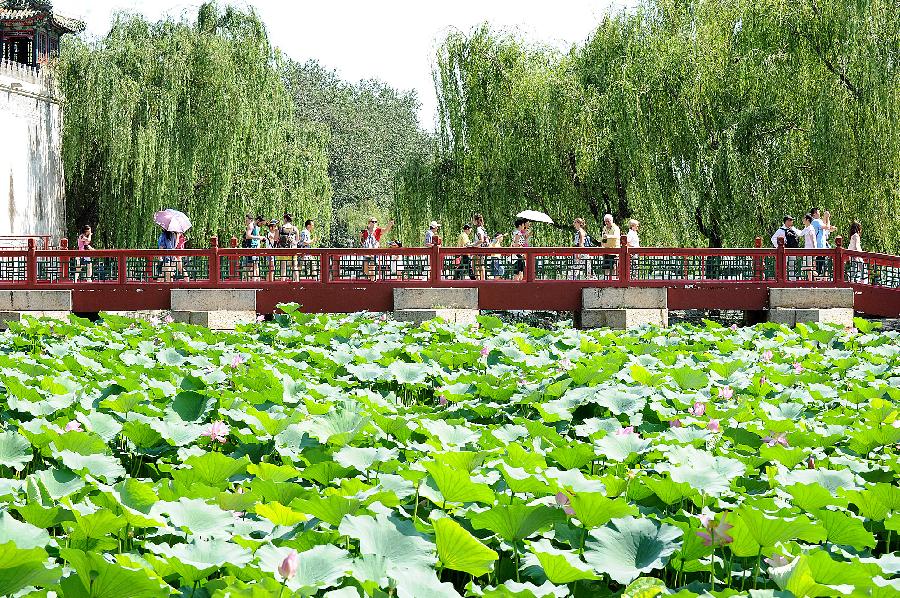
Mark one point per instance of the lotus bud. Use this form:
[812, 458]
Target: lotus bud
[288, 567]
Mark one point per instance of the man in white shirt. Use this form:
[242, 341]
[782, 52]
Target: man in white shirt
[431, 233]
[634, 241]
[791, 238]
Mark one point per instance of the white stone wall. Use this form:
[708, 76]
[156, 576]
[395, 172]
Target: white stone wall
[32, 187]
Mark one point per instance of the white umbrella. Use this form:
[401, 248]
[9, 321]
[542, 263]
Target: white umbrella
[172, 221]
[535, 216]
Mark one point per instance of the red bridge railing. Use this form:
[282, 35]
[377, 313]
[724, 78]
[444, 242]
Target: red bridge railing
[543, 270]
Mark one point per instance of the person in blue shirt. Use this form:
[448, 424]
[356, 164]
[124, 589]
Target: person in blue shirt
[821, 228]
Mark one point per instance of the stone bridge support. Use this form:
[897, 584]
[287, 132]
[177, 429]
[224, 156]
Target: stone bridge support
[417, 305]
[623, 308]
[811, 305]
[38, 304]
[217, 309]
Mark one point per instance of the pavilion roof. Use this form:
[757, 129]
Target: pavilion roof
[17, 10]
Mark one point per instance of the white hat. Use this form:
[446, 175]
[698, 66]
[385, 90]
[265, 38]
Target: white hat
[434, 224]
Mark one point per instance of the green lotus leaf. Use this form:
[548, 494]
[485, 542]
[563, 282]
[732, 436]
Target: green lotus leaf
[364, 458]
[876, 502]
[23, 535]
[845, 529]
[689, 378]
[573, 456]
[460, 551]
[593, 509]
[516, 522]
[211, 469]
[628, 547]
[56, 483]
[415, 582]
[812, 497]
[198, 559]
[560, 566]
[100, 466]
[95, 577]
[15, 450]
[196, 517]
[620, 447]
[755, 531]
[25, 568]
[330, 509]
[398, 542]
[457, 486]
[408, 373]
[514, 589]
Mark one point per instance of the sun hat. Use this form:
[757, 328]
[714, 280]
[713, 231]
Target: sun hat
[434, 224]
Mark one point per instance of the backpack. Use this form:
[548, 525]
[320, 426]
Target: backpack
[791, 240]
[286, 237]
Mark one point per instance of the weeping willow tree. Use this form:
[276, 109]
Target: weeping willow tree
[192, 116]
[706, 120]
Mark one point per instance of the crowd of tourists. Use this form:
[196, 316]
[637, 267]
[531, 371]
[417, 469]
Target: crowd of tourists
[264, 233]
[817, 229]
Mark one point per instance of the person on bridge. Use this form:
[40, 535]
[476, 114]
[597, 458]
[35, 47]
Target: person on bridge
[611, 239]
[791, 238]
[809, 242]
[305, 241]
[84, 244]
[581, 238]
[371, 239]
[633, 239]
[167, 241]
[251, 240]
[464, 262]
[481, 240]
[431, 235]
[520, 238]
[858, 267]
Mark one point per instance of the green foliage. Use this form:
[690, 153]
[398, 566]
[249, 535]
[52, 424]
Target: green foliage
[330, 441]
[373, 132]
[705, 120]
[189, 116]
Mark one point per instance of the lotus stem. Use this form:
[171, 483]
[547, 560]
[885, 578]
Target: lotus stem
[756, 566]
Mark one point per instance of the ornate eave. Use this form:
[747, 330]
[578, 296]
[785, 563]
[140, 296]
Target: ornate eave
[37, 13]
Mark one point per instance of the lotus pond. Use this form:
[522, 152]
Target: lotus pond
[350, 456]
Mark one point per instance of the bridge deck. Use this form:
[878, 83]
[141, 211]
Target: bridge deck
[349, 280]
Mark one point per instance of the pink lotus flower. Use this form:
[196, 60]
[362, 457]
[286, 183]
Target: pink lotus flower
[767, 355]
[169, 319]
[675, 423]
[74, 426]
[715, 533]
[625, 431]
[763, 381]
[236, 361]
[698, 409]
[896, 423]
[563, 500]
[522, 381]
[734, 327]
[565, 363]
[810, 463]
[713, 425]
[798, 367]
[726, 393]
[217, 432]
[442, 401]
[260, 319]
[288, 567]
[485, 351]
[780, 438]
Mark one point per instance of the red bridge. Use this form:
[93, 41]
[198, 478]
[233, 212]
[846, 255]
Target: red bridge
[350, 280]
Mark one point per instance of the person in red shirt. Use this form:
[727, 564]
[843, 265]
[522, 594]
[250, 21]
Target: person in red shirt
[371, 239]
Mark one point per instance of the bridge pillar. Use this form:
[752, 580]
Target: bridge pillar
[623, 308]
[217, 309]
[811, 305]
[14, 305]
[417, 305]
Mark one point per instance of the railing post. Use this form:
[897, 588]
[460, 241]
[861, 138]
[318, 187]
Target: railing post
[122, 265]
[232, 266]
[624, 261]
[31, 265]
[759, 263]
[530, 266]
[215, 267]
[780, 262]
[325, 267]
[838, 260]
[64, 261]
[437, 264]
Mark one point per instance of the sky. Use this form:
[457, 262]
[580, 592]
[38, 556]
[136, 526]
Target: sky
[390, 40]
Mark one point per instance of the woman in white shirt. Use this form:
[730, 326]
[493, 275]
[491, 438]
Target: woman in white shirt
[858, 271]
[634, 241]
[809, 242]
